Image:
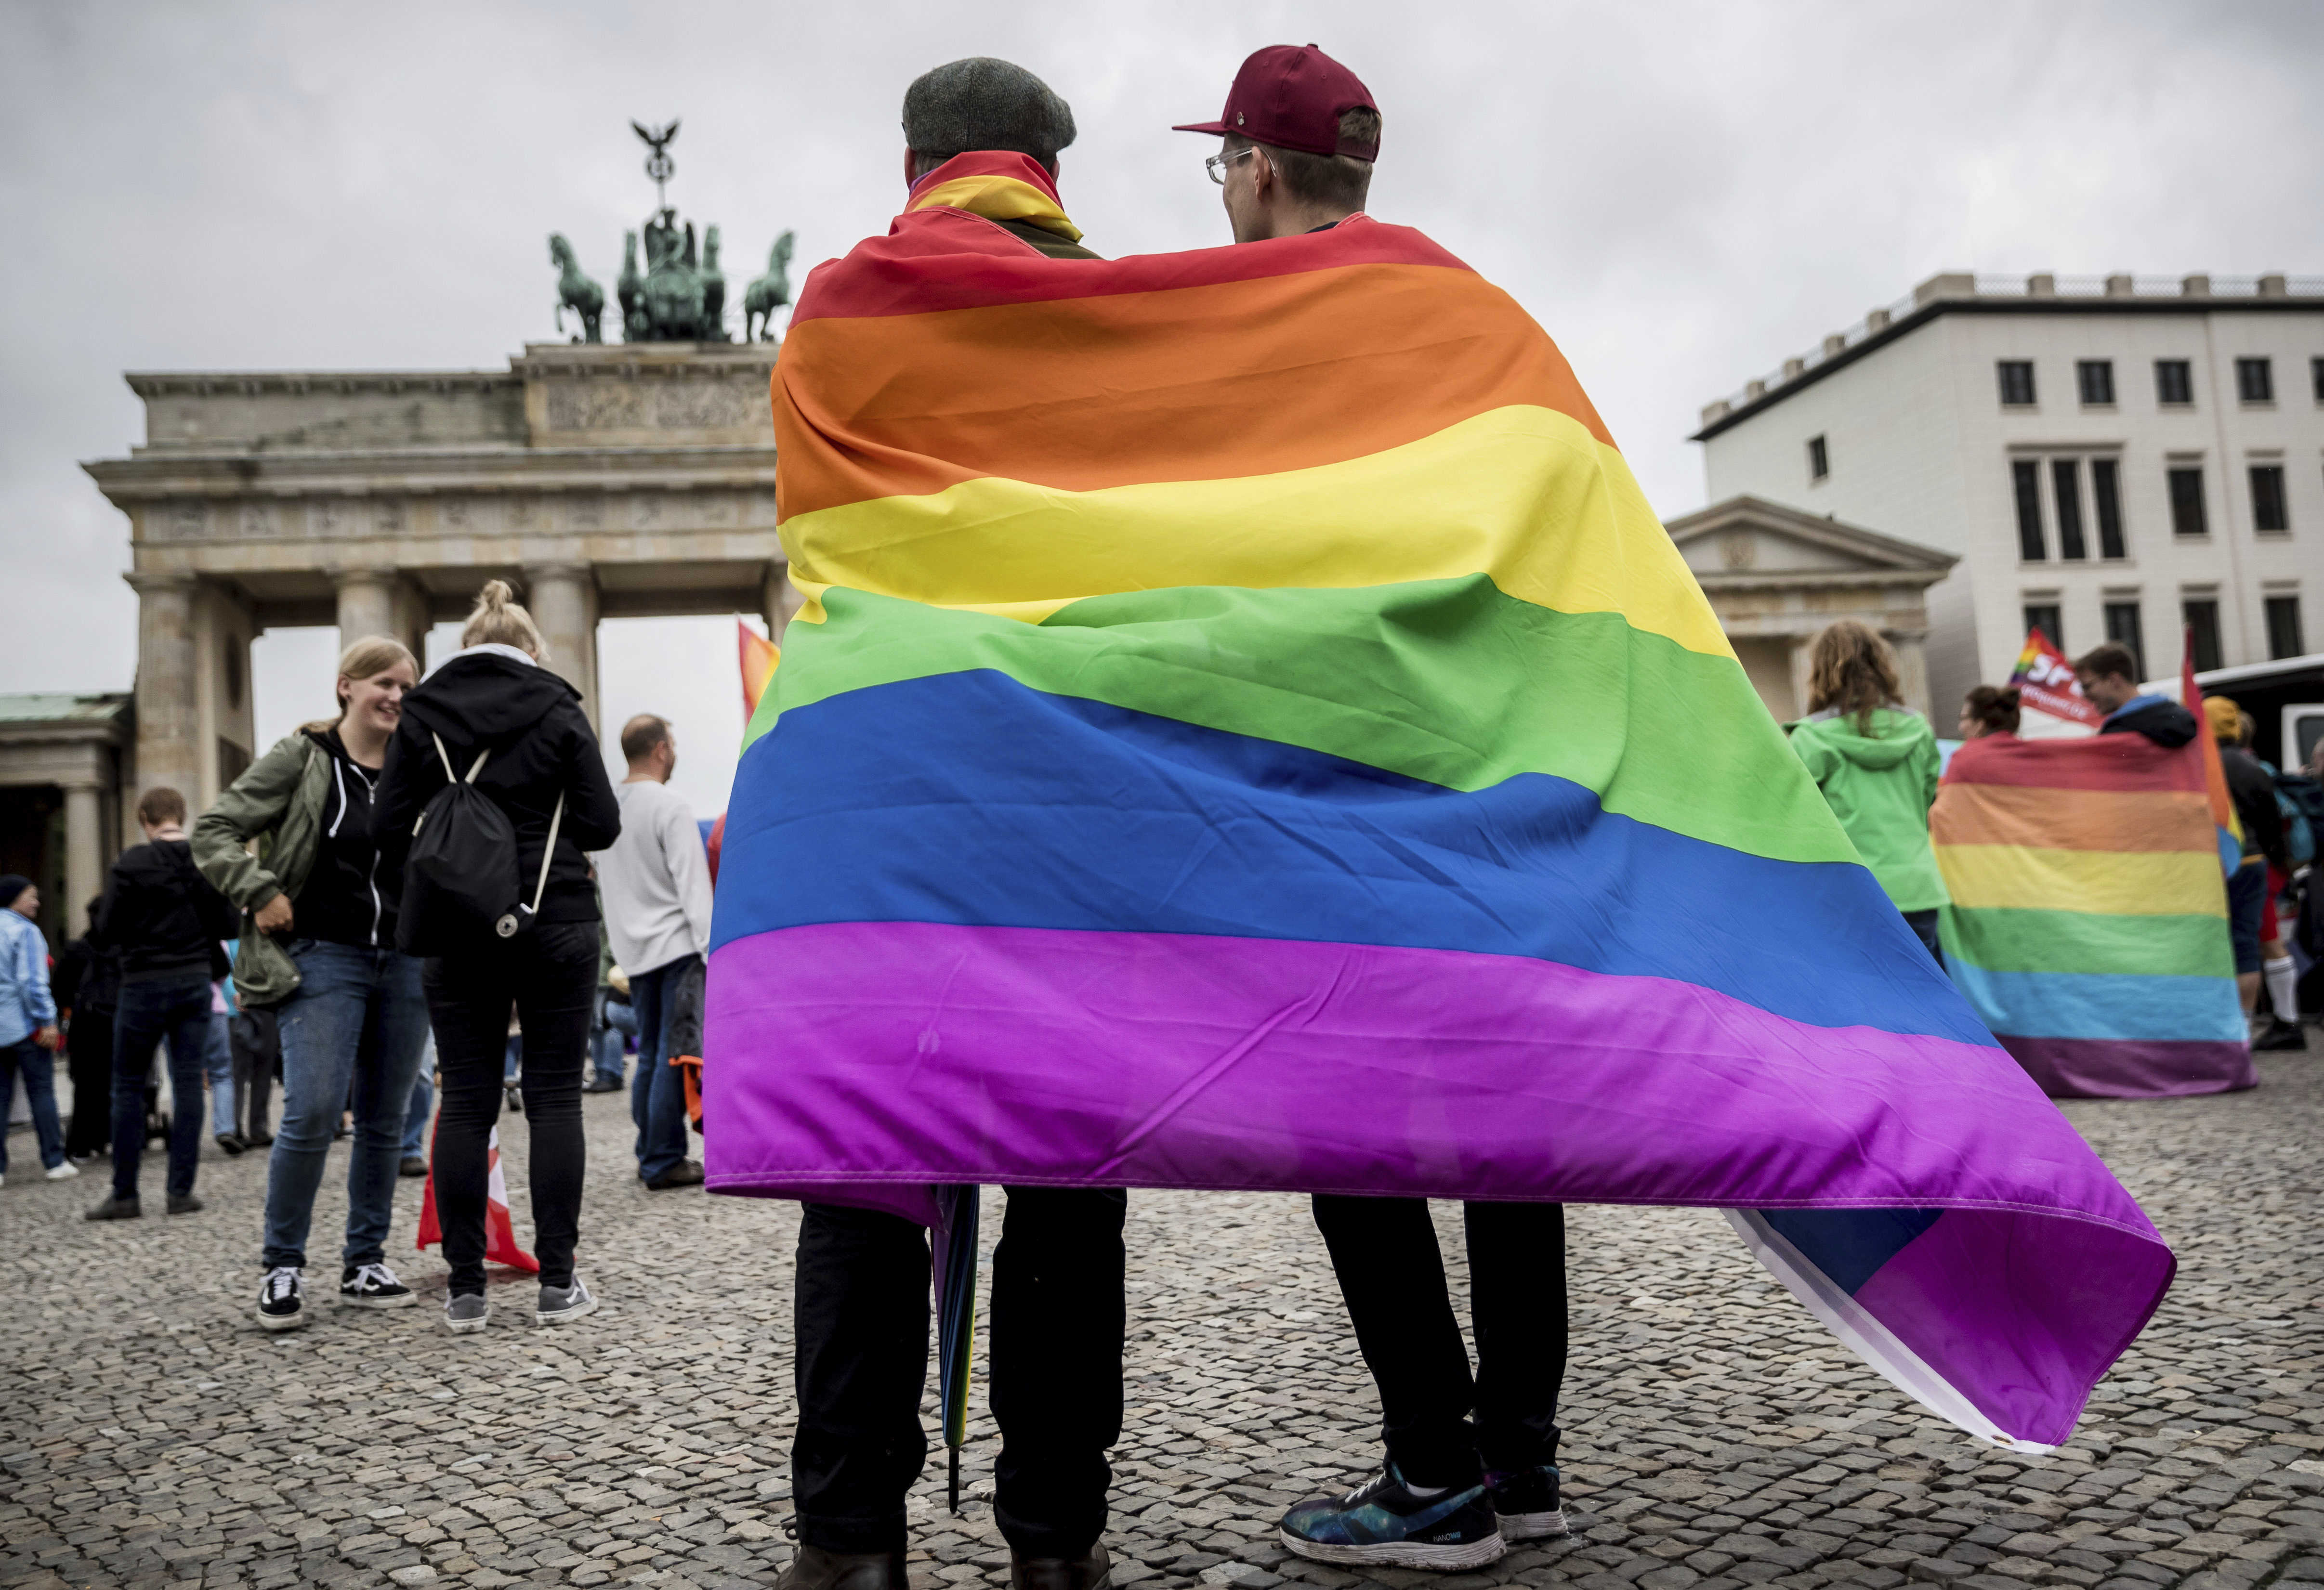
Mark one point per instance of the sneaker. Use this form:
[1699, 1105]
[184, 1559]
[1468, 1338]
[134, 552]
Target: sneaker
[373, 1286]
[685, 1174]
[1526, 1502]
[1385, 1523]
[2279, 1034]
[282, 1298]
[63, 1171]
[604, 1085]
[184, 1203]
[561, 1305]
[229, 1143]
[412, 1166]
[467, 1314]
[116, 1207]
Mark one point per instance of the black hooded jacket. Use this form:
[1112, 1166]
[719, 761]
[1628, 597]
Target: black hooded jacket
[161, 915]
[541, 746]
[2165, 722]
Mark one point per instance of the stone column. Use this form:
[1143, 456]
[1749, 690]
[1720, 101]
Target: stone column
[1912, 673]
[780, 601]
[367, 604]
[1801, 646]
[84, 853]
[167, 728]
[563, 599]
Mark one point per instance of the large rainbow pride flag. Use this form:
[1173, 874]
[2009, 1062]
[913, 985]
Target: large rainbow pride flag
[2088, 922]
[1247, 730]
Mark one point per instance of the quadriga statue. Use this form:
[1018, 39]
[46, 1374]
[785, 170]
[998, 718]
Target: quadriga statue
[575, 291]
[769, 293]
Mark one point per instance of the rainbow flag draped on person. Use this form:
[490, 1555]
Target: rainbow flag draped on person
[1246, 729]
[2088, 922]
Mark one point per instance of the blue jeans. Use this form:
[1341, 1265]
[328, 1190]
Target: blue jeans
[617, 1019]
[358, 1021]
[657, 1093]
[423, 1105]
[40, 1069]
[149, 1012]
[219, 1059]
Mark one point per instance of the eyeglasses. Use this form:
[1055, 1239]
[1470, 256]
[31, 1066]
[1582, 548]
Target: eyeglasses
[1217, 164]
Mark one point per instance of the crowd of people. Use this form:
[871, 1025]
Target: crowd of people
[346, 975]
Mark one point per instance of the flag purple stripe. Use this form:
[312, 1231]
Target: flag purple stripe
[2108, 1067]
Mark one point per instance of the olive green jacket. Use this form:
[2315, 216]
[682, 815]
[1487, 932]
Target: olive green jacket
[278, 802]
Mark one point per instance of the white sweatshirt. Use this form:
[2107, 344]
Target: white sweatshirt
[655, 881]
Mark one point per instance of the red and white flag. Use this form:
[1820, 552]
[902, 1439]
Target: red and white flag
[500, 1230]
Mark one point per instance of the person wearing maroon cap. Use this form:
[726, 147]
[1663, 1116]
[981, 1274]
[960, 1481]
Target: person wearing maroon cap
[981, 138]
[1299, 134]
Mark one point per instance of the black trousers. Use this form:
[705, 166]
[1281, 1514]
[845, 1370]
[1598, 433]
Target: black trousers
[255, 1040]
[88, 1058]
[1057, 1322]
[1392, 1274]
[551, 980]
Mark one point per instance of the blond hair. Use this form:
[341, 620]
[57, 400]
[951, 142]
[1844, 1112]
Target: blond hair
[374, 654]
[496, 618]
[1850, 668]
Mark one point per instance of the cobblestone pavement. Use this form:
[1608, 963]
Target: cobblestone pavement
[151, 1434]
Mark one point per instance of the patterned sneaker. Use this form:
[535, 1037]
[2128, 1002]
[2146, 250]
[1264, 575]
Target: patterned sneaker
[373, 1286]
[467, 1314]
[282, 1298]
[1526, 1501]
[561, 1305]
[1383, 1523]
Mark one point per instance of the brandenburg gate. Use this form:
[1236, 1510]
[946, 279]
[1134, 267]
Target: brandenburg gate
[603, 480]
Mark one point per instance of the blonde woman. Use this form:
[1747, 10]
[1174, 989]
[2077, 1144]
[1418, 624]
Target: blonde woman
[318, 947]
[1877, 763]
[543, 768]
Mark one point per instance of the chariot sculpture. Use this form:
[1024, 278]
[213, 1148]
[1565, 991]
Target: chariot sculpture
[680, 296]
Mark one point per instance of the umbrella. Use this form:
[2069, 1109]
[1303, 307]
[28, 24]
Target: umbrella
[955, 1273]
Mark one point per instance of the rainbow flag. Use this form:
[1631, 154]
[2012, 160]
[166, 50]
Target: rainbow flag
[758, 657]
[2088, 922]
[1247, 730]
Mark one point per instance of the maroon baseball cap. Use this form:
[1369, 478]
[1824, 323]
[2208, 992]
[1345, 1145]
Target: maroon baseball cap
[1291, 96]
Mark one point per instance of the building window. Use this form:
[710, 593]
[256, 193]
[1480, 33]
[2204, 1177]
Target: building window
[2174, 381]
[2255, 381]
[2066, 478]
[2044, 616]
[1818, 460]
[2122, 626]
[2315, 373]
[2096, 377]
[2187, 501]
[2268, 497]
[2284, 637]
[2016, 383]
[2026, 475]
[2105, 494]
[2201, 614]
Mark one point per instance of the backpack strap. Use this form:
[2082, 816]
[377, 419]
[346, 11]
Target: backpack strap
[446, 756]
[548, 852]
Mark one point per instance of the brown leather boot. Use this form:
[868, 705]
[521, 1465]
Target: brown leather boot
[814, 1568]
[1092, 1572]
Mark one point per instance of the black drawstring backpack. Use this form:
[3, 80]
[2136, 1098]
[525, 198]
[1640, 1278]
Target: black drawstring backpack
[460, 883]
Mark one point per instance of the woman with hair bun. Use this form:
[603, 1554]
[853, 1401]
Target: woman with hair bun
[318, 947]
[1877, 763]
[542, 768]
[1990, 709]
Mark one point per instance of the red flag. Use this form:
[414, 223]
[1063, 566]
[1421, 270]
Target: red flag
[500, 1230]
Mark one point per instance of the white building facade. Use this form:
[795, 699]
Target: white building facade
[2110, 458]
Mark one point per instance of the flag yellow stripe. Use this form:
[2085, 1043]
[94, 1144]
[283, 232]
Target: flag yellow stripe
[2118, 883]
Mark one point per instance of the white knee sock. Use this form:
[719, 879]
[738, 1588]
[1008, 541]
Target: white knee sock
[2282, 987]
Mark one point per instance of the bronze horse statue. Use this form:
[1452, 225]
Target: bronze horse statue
[575, 291]
[768, 293]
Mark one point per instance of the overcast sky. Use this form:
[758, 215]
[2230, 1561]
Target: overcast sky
[1683, 193]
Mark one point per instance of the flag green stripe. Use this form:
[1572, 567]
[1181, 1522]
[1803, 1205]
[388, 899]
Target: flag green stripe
[2011, 940]
[1447, 681]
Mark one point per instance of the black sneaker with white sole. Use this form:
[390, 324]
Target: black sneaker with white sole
[282, 1299]
[1526, 1501]
[1389, 1523]
[373, 1286]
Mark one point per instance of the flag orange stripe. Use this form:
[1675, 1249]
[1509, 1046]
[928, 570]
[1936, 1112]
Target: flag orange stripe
[2082, 819]
[1209, 383]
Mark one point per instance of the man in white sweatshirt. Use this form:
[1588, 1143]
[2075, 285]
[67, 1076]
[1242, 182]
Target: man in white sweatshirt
[655, 882]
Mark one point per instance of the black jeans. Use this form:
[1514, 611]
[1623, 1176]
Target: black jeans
[257, 1045]
[1056, 1339]
[550, 978]
[88, 1056]
[1392, 1274]
[178, 1010]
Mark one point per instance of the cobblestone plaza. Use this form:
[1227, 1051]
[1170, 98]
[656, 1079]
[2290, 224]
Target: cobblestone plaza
[1716, 1435]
